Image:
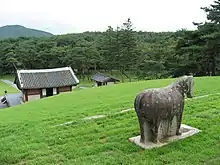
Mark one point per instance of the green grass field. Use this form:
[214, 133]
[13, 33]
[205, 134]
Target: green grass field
[4, 86]
[7, 77]
[29, 134]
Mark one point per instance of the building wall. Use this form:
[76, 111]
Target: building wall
[54, 91]
[44, 93]
[33, 97]
[32, 94]
[35, 94]
[105, 83]
[64, 89]
[111, 83]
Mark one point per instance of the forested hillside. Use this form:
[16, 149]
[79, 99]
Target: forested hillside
[14, 31]
[144, 54]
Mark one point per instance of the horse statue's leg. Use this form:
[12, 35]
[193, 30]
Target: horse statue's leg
[141, 125]
[146, 132]
[155, 130]
[148, 128]
[139, 109]
[179, 119]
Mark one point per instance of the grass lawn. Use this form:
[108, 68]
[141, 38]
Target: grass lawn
[7, 77]
[4, 86]
[29, 133]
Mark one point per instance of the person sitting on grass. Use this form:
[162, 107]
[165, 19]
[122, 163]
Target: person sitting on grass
[4, 100]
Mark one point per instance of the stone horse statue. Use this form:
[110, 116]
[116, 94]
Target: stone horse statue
[160, 110]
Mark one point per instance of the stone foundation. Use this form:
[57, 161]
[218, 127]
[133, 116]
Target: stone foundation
[186, 131]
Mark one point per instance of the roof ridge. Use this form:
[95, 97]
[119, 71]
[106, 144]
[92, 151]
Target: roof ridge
[43, 70]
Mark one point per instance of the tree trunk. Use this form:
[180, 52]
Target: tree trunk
[95, 67]
[122, 79]
[123, 73]
[127, 76]
[83, 74]
[213, 66]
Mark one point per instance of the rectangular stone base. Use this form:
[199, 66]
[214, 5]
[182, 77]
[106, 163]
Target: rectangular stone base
[185, 130]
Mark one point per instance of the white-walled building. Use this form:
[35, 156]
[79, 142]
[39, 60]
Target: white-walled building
[39, 83]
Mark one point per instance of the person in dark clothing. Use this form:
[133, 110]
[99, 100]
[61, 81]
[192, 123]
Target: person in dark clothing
[4, 100]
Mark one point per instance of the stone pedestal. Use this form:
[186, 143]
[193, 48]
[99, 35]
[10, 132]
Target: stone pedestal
[185, 130]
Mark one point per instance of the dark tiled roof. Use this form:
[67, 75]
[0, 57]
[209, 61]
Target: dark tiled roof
[103, 78]
[48, 78]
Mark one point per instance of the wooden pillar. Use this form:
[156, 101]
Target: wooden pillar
[26, 95]
[41, 93]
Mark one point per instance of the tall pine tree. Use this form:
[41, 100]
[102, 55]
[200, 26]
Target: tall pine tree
[128, 52]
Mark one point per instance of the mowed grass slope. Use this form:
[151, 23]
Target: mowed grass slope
[29, 133]
[8, 88]
[4, 86]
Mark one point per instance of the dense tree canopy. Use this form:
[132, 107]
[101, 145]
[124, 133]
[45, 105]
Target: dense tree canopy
[144, 54]
[201, 47]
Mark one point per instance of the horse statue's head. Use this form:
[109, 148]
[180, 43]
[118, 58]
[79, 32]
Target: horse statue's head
[186, 85]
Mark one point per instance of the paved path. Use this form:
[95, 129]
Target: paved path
[10, 83]
[13, 100]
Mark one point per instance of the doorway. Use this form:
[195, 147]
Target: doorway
[49, 92]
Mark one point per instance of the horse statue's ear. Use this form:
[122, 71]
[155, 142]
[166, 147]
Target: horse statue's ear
[191, 74]
[189, 78]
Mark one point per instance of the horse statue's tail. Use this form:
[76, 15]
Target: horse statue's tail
[137, 105]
